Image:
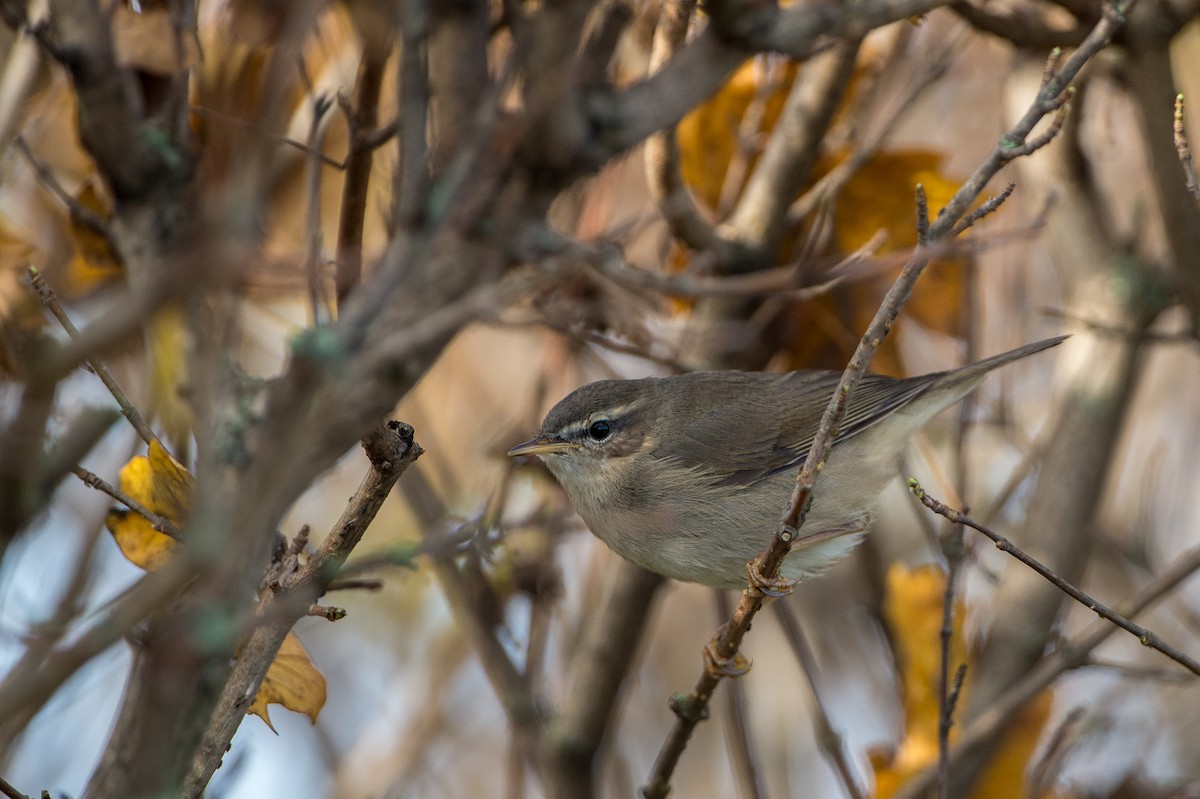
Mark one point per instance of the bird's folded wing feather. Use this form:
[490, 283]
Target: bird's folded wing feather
[775, 420]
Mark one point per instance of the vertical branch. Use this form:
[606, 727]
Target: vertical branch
[828, 738]
[675, 202]
[362, 120]
[411, 182]
[723, 657]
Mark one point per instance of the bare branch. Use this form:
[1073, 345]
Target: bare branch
[1144, 636]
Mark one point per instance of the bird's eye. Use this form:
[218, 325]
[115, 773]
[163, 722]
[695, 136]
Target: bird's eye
[600, 430]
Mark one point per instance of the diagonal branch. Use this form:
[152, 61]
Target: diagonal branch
[693, 708]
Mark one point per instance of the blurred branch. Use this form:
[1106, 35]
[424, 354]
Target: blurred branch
[1022, 24]
[1145, 637]
[828, 738]
[390, 449]
[832, 182]
[35, 678]
[747, 770]
[765, 569]
[760, 216]
[361, 119]
[603, 659]
[735, 32]
[675, 201]
[411, 180]
[11, 792]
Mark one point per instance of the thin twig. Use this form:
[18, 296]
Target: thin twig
[947, 704]
[989, 206]
[361, 120]
[1184, 150]
[157, 521]
[299, 145]
[948, 693]
[675, 201]
[1145, 637]
[78, 210]
[127, 408]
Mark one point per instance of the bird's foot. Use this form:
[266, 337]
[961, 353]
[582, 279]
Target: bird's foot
[770, 587]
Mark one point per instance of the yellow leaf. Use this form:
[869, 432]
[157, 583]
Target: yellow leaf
[159, 482]
[292, 681]
[138, 540]
[168, 342]
[95, 261]
[913, 611]
[880, 196]
[163, 486]
[710, 135]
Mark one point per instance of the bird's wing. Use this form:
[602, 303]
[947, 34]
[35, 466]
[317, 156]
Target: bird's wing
[776, 420]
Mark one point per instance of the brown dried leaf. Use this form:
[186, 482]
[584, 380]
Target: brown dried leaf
[95, 261]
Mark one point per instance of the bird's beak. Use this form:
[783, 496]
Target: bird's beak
[542, 445]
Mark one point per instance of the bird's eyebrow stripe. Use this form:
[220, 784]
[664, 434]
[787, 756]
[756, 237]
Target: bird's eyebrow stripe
[612, 413]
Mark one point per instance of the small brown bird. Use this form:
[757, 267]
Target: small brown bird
[688, 476]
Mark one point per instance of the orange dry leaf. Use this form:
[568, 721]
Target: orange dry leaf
[881, 196]
[95, 262]
[292, 681]
[913, 611]
[709, 136]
